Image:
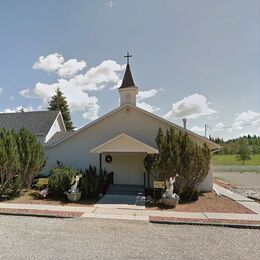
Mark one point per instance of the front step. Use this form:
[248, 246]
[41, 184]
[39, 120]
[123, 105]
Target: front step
[125, 190]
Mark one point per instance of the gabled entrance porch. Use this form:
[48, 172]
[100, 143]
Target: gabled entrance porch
[124, 155]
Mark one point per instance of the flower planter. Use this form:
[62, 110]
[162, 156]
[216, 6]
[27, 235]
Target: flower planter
[73, 196]
[172, 202]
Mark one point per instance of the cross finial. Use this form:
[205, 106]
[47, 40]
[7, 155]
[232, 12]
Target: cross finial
[127, 56]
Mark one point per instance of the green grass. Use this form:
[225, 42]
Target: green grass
[232, 160]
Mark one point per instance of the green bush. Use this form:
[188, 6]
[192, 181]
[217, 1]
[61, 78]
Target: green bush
[178, 154]
[21, 159]
[60, 180]
[40, 183]
[92, 183]
[189, 194]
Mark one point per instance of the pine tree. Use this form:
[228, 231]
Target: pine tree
[243, 153]
[178, 154]
[59, 102]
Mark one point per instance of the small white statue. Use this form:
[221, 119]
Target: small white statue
[170, 187]
[169, 198]
[74, 194]
[74, 187]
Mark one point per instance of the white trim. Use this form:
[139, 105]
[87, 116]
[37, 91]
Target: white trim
[146, 148]
[215, 146]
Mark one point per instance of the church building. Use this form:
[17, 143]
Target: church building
[118, 141]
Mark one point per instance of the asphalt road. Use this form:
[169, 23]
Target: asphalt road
[42, 238]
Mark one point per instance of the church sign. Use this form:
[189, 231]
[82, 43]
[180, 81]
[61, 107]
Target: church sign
[159, 184]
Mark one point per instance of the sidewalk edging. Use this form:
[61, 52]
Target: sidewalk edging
[242, 226]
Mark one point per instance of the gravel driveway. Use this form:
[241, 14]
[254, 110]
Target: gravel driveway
[245, 182]
[42, 238]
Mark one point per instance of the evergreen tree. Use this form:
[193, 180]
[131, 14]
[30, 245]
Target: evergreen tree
[178, 154]
[59, 102]
[31, 156]
[9, 163]
[21, 159]
[243, 153]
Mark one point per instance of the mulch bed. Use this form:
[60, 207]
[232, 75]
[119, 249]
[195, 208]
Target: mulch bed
[43, 213]
[30, 197]
[203, 221]
[207, 202]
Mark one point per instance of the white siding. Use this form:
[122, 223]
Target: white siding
[75, 151]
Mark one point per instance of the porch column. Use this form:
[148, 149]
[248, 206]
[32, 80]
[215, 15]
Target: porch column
[100, 163]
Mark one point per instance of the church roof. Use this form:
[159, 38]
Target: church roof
[128, 79]
[37, 122]
[213, 146]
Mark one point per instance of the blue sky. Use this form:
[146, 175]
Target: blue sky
[193, 59]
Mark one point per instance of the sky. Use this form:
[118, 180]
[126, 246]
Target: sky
[198, 60]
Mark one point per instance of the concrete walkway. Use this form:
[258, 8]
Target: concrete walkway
[131, 210]
[244, 201]
[123, 196]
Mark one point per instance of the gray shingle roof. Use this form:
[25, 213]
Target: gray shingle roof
[37, 122]
[58, 136]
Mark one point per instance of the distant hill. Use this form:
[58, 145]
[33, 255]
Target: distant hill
[231, 146]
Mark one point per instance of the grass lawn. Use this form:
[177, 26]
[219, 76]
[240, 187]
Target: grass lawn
[232, 160]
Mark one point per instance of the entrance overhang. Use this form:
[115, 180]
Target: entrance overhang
[124, 143]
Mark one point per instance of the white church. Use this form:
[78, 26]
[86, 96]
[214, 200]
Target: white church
[118, 141]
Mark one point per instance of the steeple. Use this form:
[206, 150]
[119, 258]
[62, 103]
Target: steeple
[128, 90]
[128, 79]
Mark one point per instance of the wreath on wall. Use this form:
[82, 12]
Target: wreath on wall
[108, 159]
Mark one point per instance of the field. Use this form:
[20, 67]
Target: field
[232, 160]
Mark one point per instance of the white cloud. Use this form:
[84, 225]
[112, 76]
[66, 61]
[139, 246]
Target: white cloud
[193, 106]
[108, 71]
[71, 67]
[25, 93]
[11, 98]
[198, 129]
[115, 87]
[77, 88]
[147, 107]
[17, 109]
[92, 113]
[51, 62]
[245, 118]
[146, 94]
[1, 91]
[143, 95]
[56, 63]
[218, 127]
[109, 4]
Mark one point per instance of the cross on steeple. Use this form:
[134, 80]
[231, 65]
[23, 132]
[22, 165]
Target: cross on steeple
[127, 56]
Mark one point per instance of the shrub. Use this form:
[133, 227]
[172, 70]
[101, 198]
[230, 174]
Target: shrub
[178, 154]
[92, 183]
[21, 159]
[40, 183]
[31, 156]
[60, 180]
[10, 167]
[189, 194]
